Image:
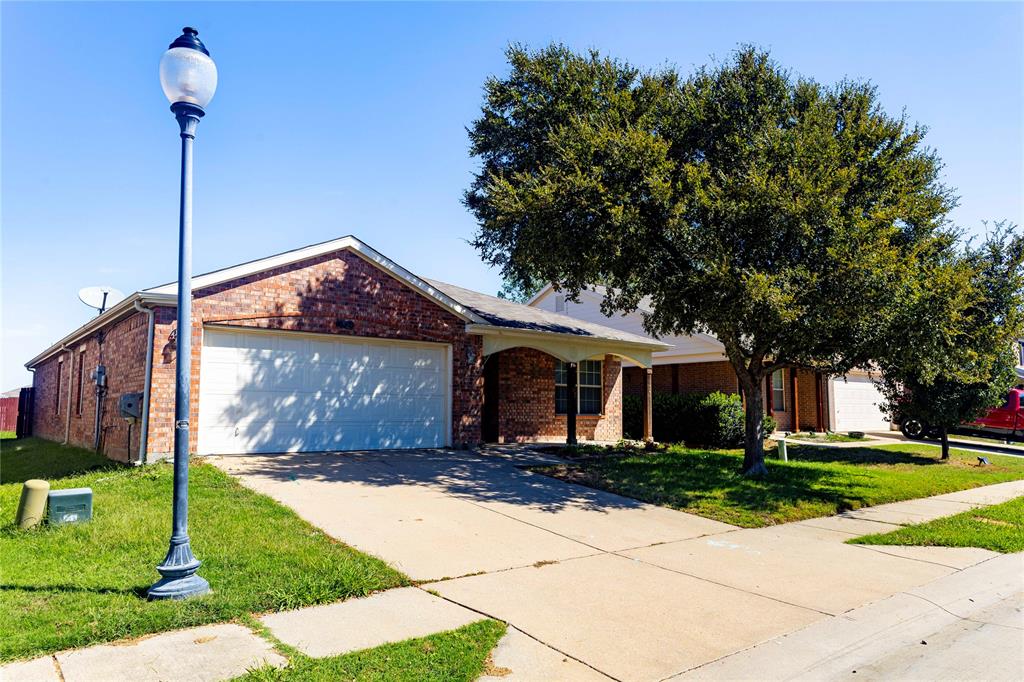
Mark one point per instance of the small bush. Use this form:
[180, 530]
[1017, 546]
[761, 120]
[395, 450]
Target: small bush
[855, 434]
[707, 419]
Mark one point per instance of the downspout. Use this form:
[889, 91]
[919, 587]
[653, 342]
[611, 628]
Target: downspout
[101, 391]
[28, 421]
[71, 374]
[144, 430]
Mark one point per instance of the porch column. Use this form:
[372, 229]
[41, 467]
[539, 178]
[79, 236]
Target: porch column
[648, 405]
[819, 403]
[796, 399]
[571, 407]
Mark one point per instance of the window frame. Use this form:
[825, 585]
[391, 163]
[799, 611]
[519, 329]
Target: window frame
[579, 385]
[81, 382]
[60, 377]
[779, 392]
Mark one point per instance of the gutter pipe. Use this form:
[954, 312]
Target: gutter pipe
[144, 430]
[101, 393]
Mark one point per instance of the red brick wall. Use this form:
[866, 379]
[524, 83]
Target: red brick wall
[526, 400]
[688, 377]
[807, 400]
[313, 296]
[124, 355]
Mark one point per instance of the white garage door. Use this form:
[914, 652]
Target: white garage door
[291, 392]
[855, 405]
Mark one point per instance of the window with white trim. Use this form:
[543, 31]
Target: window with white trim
[778, 391]
[588, 386]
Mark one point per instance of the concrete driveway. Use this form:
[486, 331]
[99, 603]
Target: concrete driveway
[617, 587]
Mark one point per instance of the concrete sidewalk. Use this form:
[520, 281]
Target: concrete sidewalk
[966, 626]
[204, 654]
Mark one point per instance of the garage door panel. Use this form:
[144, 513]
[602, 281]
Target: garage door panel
[281, 392]
[857, 405]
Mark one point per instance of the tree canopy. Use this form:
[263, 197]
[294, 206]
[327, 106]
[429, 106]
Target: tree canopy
[783, 216]
[958, 333]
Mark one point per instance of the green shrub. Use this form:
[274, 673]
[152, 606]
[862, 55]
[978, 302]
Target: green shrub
[706, 419]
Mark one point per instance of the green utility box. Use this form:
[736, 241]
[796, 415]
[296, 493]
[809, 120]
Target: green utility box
[73, 505]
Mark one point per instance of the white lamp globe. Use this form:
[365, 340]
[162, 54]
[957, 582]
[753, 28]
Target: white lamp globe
[187, 74]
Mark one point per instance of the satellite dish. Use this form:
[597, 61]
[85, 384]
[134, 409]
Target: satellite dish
[100, 298]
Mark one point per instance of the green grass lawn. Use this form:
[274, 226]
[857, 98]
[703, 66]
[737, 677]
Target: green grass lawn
[999, 528]
[447, 656]
[28, 458]
[74, 585]
[817, 481]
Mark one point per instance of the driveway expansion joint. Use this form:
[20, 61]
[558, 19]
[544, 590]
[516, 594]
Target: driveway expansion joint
[485, 614]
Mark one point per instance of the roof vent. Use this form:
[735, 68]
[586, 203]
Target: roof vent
[559, 303]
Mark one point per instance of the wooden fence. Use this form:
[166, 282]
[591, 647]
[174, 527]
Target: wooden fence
[16, 413]
[8, 414]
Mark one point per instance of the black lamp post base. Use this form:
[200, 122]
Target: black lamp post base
[178, 588]
[178, 574]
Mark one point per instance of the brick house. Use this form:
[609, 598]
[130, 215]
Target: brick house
[332, 347]
[798, 399]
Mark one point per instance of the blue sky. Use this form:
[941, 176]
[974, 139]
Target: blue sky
[334, 119]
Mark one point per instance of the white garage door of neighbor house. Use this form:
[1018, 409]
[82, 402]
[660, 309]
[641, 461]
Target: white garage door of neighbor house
[856, 405]
[292, 392]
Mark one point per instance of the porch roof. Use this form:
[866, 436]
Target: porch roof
[509, 324]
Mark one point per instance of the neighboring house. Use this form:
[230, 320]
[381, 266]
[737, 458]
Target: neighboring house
[799, 399]
[331, 347]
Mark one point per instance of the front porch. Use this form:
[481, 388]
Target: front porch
[547, 387]
[796, 398]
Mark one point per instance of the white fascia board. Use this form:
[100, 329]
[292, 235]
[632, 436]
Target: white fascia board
[567, 347]
[257, 266]
[109, 316]
[545, 290]
[348, 243]
[494, 330]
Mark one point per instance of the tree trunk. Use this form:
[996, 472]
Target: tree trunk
[753, 447]
[945, 443]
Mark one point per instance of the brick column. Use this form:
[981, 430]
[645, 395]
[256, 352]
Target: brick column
[648, 405]
[796, 399]
[572, 398]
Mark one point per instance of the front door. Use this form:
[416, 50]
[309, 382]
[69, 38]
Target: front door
[489, 425]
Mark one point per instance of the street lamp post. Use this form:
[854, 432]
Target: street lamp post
[189, 78]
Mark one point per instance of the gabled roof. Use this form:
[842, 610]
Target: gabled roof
[643, 307]
[499, 312]
[347, 243]
[478, 310]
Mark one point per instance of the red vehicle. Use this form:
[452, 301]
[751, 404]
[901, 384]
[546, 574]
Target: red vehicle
[1005, 422]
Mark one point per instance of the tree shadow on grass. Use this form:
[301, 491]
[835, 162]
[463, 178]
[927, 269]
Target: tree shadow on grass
[140, 591]
[872, 455]
[698, 479]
